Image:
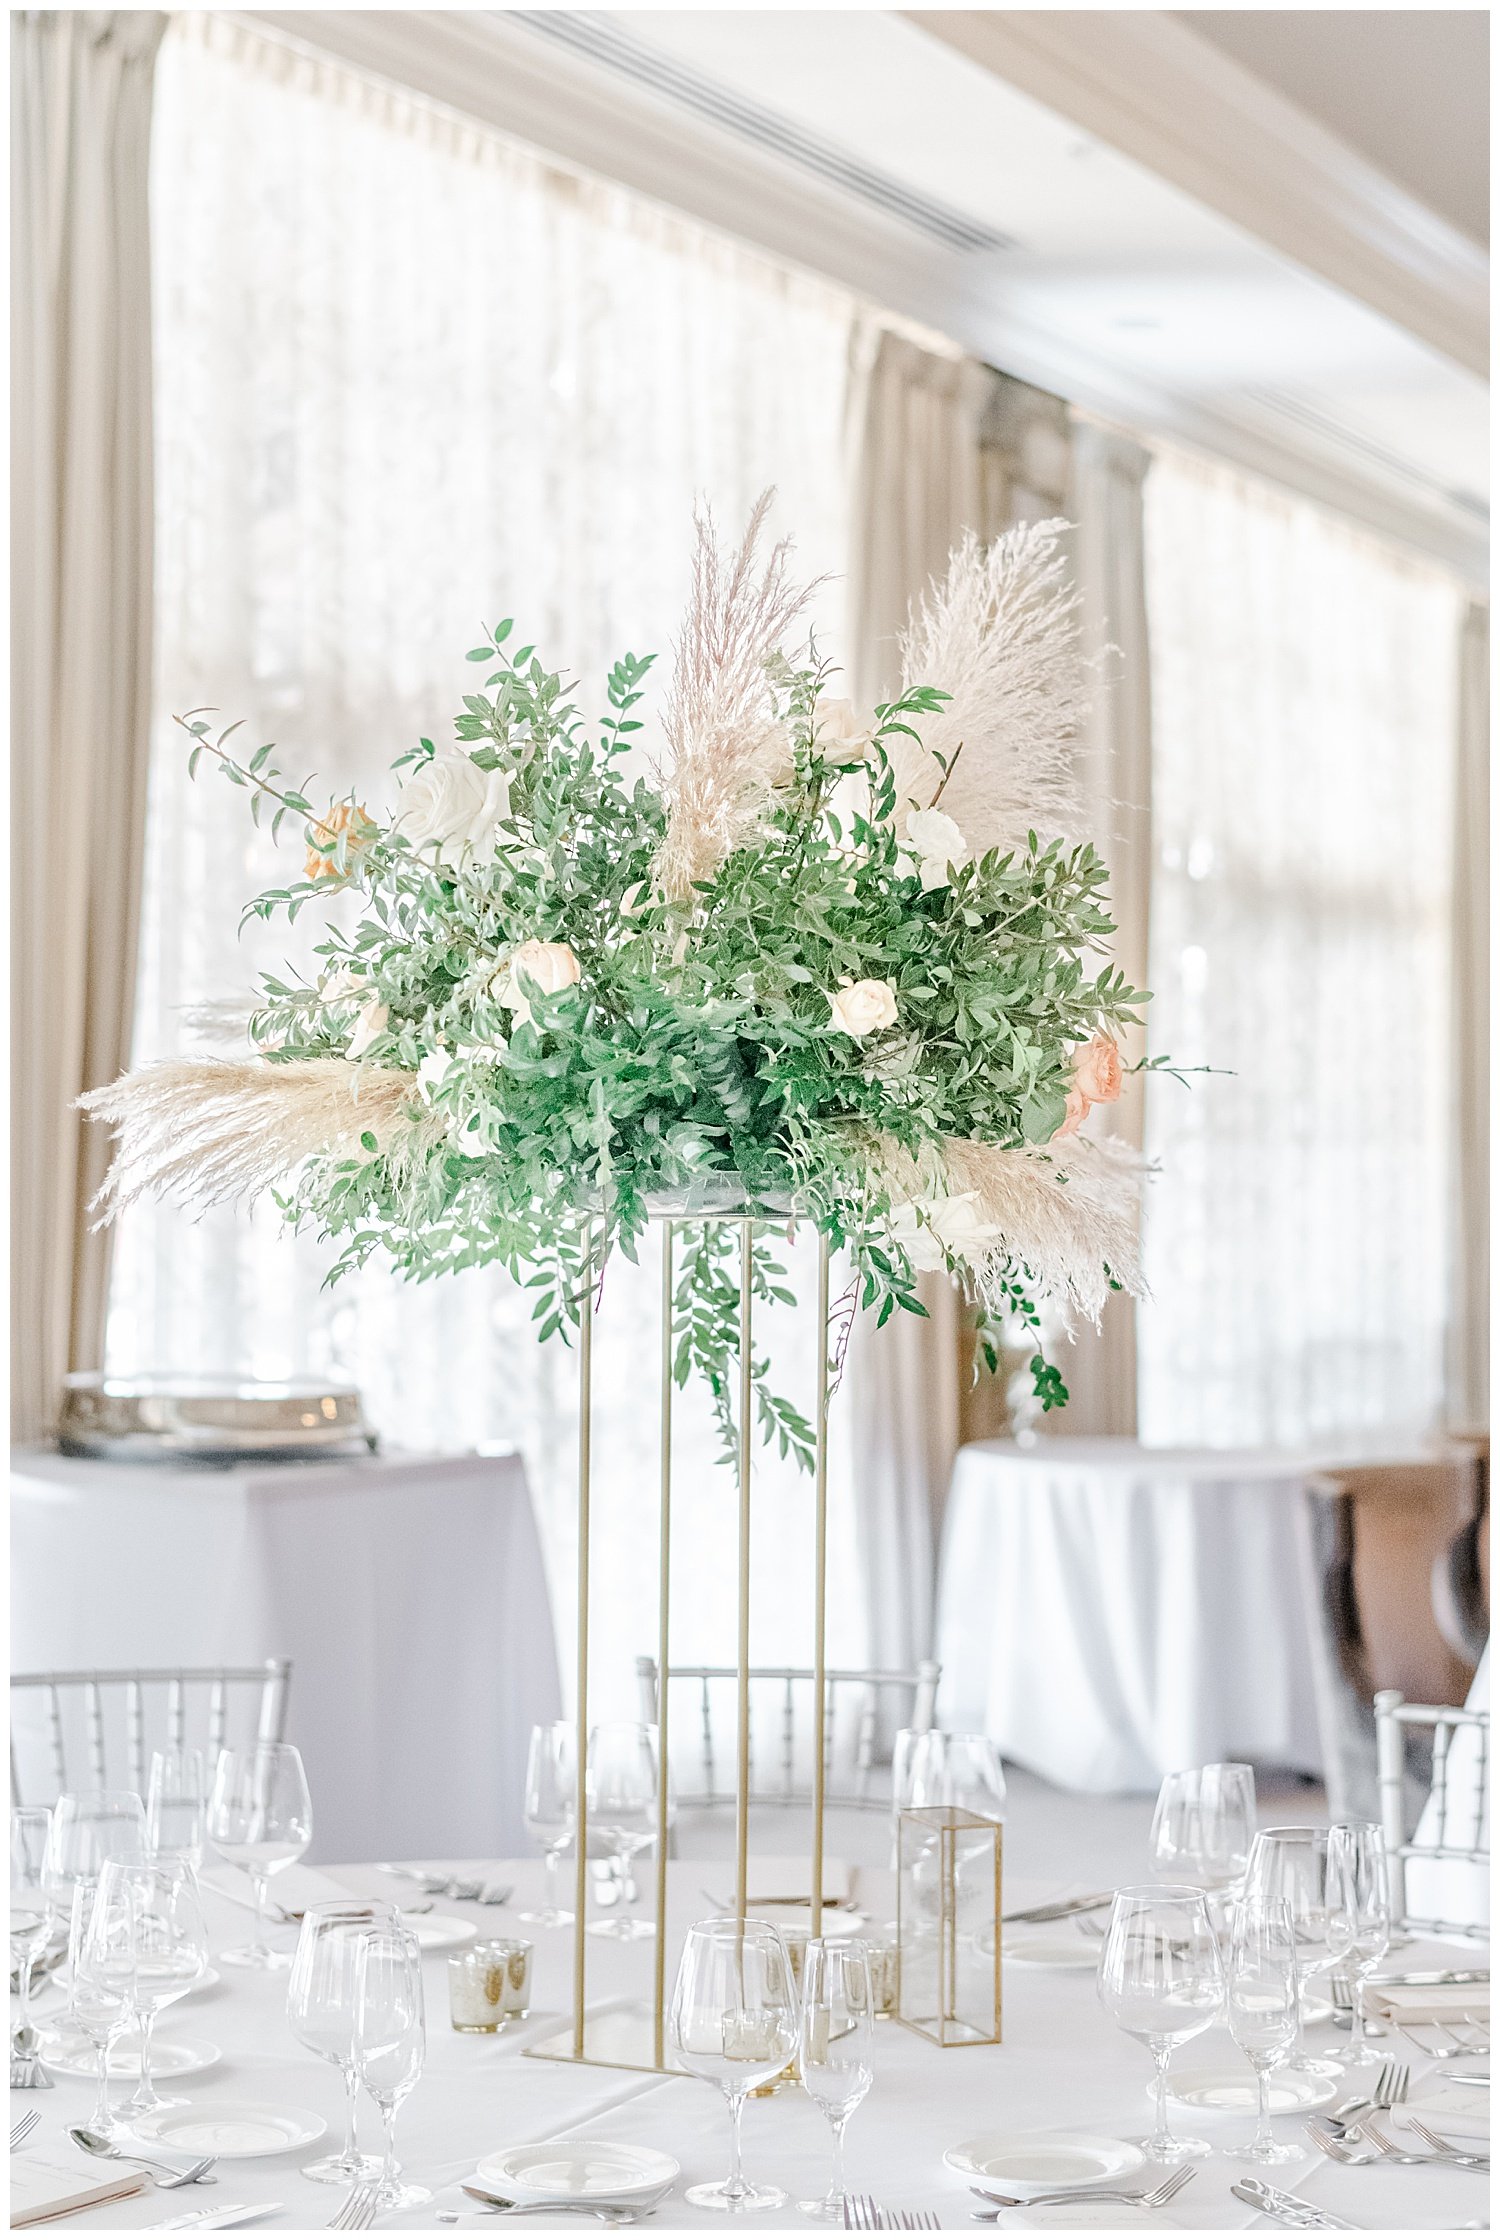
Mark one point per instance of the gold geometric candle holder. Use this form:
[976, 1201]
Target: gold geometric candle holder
[948, 1925]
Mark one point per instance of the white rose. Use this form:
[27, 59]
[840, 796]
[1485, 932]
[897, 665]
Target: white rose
[931, 1230]
[433, 1071]
[368, 1027]
[838, 734]
[550, 964]
[341, 986]
[863, 1007]
[937, 846]
[454, 803]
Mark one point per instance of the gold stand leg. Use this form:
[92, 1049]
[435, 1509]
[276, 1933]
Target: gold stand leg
[663, 1647]
[820, 1597]
[742, 1771]
[585, 1459]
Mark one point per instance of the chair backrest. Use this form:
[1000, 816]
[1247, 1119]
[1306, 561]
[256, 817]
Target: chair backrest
[853, 1704]
[88, 1728]
[1453, 1828]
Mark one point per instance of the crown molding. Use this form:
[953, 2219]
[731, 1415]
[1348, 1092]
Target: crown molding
[1157, 91]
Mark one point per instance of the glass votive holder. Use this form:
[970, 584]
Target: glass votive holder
[489, 1984]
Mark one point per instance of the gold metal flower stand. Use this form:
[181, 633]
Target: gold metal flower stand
[635, 2037]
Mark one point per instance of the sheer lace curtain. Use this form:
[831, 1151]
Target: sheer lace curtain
[1303, 684]
[410, 379]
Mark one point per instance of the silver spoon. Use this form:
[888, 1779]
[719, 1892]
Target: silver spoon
[196, 2173]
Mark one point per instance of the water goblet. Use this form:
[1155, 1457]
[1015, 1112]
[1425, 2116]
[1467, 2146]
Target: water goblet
[1261, 1999]
[89, 1828]
[551, 1808]
[836, 2045]
[1176, 1841]
[975, 1776]
[390, 2043]
[621, 1775]
[1360, 1901]
[320, 2004]
[260, 1818]
[1292, 1864]
[177, 1804]
[1162, 1981]
[147, 1938]
[734, 2023]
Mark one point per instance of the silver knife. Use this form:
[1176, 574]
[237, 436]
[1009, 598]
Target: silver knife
[1058, 1909]
[1289, 2207]
[1437, 1975]
[214, 2220]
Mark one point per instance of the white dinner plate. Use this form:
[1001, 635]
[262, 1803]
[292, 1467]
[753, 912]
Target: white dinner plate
[1231, 2089]
[170, 2057]
[576, 2170]
[439, 1932]
[1044, 1947]
[234, 2130]
[1025, 2162]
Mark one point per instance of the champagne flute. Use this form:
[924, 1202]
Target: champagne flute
[31, 1910]
[1261, 1998]
[1161, 1980]
[390, 2042]
[99, 2000]
[260, 1818]
[320, 2008]
[551, 1808]
[1292, 1864]
[837, 2046]
[621, 1777]
[1359, 1897]
[177, 1804]
[734, 2023]
[147, 1937]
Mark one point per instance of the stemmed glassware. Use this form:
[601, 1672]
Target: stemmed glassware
[734, 2022]
[621, 1775]
[31, 1910]
[1293, 1864]
[975, 1778]
[100, 1997]
[1204, 1825]
[1261, 1997]
[320, 2008]
[177, 1804]
[260, 1818]
[1360, 1902]
[1161, 1980]
[147, 1939]
[551, 1808]
[89, 1828]
[837, 2045]
[390, 2042]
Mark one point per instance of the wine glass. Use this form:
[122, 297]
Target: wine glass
[99, 1999]
[1226, 1823]
[551, 1808]
[31, 1910]
[89, 1828]
[1359, 1899]
[320, 2008]
[621, 1780]
[260, 1818]
[1292, 1864]
[734, 2023]
[390, 2042]
[1161, 1980]
[147, 1938]
[975, 1777]
[177, 1804]
[837, 2045]
[919, 1775]
[1261, 1998]
[1176, 1841]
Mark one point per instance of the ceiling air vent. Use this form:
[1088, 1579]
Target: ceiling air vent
[1364, 451]
[603, 42]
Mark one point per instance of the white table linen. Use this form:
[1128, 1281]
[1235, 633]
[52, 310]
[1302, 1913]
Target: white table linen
[1063, 2065]
[1107, 1612]
[408, 1592]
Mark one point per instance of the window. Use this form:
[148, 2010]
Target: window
[411, 378]
[1304, 680]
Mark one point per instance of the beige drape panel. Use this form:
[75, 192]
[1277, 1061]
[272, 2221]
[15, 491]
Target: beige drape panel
[1104, 502]
[81, 645]
[1469, 1348]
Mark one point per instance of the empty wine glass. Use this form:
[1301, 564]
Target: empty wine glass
[1292, 1864]
[1360, 1901]
[89, 1828]
[1226, 1824]
[1176, 1844]
[621, 1781]
[320, 2003]
[260, 1818]
[1161, 1980]
[975, 1778]
[551, 1808]
[837, 2046]
[1261, 1999]
[390, 2042]
[177, 1804]
[31, 1910]
[734, 2023]
[99, 1999]
[919, 1769]
[147, 1937]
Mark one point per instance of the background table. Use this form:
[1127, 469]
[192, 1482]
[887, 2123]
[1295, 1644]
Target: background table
[1063, 2065]
[408, 1592]
[1107, 1612]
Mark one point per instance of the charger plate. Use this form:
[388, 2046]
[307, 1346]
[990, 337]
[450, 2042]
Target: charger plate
[576, 2170]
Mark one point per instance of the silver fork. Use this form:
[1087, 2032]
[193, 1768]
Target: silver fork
[23, 2127]
[355, 2212]
[1444, 2146]
[916, 2220]
[1395, 2153]
[863, 2213]
[1157, 2198]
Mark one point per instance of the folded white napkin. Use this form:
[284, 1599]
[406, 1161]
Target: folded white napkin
[294, 1889]
[57, 2184]
[1428, 2002]
[1460, 2109]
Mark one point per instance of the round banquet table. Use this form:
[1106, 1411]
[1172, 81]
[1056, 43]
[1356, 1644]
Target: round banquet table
[1107, 1612]
[1063, 2064]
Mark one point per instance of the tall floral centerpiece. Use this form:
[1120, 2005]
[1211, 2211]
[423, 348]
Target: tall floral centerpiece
[790, 957]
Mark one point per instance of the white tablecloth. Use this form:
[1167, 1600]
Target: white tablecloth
[1107, 1613]
[408, 1592]
[1063, 2065]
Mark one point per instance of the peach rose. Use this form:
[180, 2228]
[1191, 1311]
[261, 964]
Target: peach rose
[551, 965]
[1097, 1070]
[343, 822]
[1075, 1113]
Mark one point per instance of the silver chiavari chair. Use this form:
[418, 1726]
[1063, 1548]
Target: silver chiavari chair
[87, 1727]
[855, 1704]
[1453, 1827]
